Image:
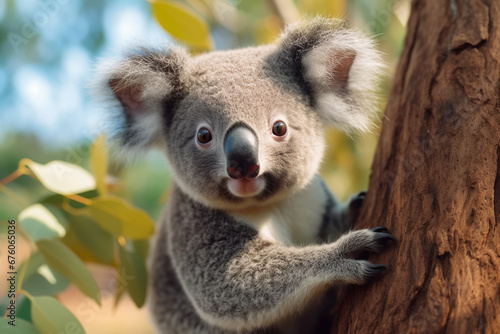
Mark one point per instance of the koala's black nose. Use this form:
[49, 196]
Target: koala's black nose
[241, 149]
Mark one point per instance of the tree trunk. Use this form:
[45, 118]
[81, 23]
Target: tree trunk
[436, 180]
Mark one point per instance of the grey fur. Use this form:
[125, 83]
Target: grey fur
[225, 263]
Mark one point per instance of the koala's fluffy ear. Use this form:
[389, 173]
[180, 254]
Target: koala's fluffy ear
[138, 89]
[340, 68]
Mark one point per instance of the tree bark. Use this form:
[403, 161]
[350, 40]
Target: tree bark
[436, 180]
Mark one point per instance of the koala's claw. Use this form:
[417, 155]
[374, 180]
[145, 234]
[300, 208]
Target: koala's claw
[374, 270]
[383, 236]
[379, 229]
[383, 239]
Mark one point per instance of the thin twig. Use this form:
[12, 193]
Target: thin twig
[17, 173]
[79, 199]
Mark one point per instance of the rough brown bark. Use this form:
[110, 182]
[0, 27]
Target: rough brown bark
[436, 180]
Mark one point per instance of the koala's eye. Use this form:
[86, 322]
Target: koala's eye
[204, 136]
[279, 129]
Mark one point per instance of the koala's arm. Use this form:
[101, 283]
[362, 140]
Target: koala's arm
[236, 280]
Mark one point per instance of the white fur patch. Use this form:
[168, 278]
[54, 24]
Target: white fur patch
[295, 221]
[354, 107]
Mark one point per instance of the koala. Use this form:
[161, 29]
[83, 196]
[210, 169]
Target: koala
[251, 238]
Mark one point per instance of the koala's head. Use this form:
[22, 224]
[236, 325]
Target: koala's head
[245, 127]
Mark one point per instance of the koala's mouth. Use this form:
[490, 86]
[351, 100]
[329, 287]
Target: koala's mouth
[245, 187]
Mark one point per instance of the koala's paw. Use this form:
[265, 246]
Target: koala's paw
[371, 240]
[360, 271]
[352, 248]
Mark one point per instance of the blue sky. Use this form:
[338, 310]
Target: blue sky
[47, 55]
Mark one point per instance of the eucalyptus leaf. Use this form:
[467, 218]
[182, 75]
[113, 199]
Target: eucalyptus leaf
[141, 247]
[183, 23]
[50, 316]
[41, 223]
[23, 308]
[33, 262]
[21, 327]
[63, 260]
[61, 177]
[39, 278]
[118, 217]
[73, 242]
[98, 241]
[134, 277]
[46, 282]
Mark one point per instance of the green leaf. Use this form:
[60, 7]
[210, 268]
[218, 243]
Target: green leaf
[141, 247]
[39, 279]
[133, 275]
[61, 177]
[21, 326]
[118, 217]
[73, 242]
[24, 308]
[183, 23]
[98, 241]
[45, 282]
[33, 262]
[99, 162]
[50, 316]
[63, 260]
[40, 223]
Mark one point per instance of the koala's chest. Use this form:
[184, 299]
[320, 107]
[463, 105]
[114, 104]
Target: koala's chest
[296, 221]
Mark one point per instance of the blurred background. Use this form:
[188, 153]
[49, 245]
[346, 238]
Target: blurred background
[48, 49]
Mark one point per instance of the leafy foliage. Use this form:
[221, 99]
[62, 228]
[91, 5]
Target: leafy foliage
[50, 316]
[77, 224]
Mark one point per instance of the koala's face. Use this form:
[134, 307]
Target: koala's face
[246, 127]
[241, 140]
